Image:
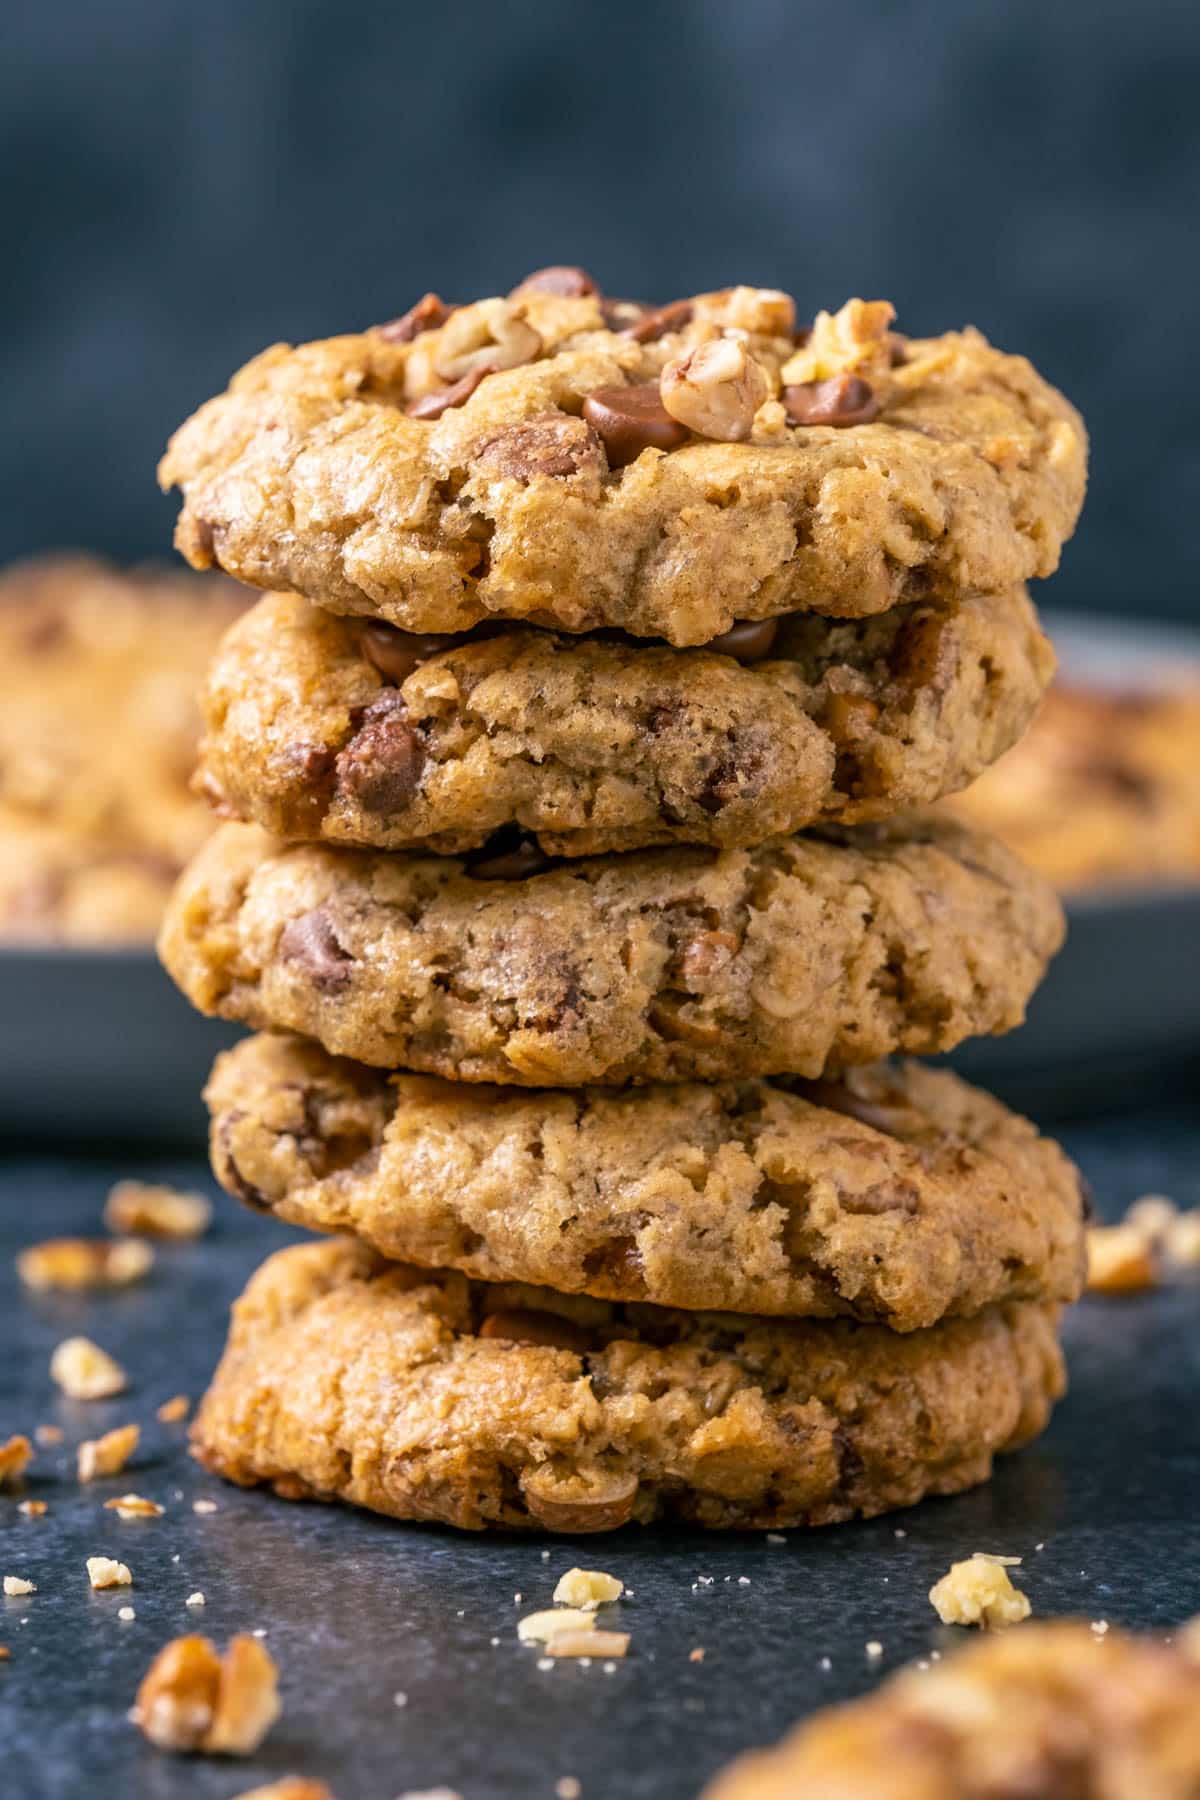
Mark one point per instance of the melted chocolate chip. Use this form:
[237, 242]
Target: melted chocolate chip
[312, 941]
[660, 320]
[432, 406]
[630, 420]
[397, 653]
[836, 1097]
[508, 856]
[429, 312]
[842, 400]
[559, 278]
[526, 1325]
[748, 641]
[381, 765]
[556, 444]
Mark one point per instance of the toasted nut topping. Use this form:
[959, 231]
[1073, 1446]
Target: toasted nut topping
[1120, 1260]
[715, 389]
[768, 312]
[15, 1457]
[588, 1643]
[16, 1586]
[192, 1699]
[85, 1372]
[156, 1211]
[132, 1506]
[979, 1592]
[490, 335]
[171, 1411]
[107, 1455]
[855, 341]
[78, 1263]
[540, 1627]
[525, 1325]
[33, 1509]
[103, 1572]
[588, 1588]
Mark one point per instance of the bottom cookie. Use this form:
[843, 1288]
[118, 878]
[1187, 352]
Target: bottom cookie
[430, 1396]
[1047, 1712]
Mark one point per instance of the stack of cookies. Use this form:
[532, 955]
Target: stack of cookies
[581, 930]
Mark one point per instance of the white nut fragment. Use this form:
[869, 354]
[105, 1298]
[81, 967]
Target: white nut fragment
[192, 1699]
[107, 1455]
[588, 1643]
[588, 1588]
[85, 1372]
[1120, 1260]
[854, 341]
[155, 1211]
[76, 1264]
[16, 1586]
[715, 389]
[134, 1506]
[104, 1572]
[492, 334]
[979, 1591]
[541, 1627]
[1182, 1240]
[768, 312]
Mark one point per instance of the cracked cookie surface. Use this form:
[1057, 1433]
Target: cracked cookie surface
[582, 463]
[1045, 1711]
[899, 1195]
[320, 728]
[818, 951]
[426, 1396]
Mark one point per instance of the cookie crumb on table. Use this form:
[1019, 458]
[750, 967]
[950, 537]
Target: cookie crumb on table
[588, 1643]
[193, 1699]
[104, 1572]
[171, 1411]
[156, 1211]
[48, 1434]
[33, 1509]
[85, 1372]
[292, 1787]
[107, 1455]
[134, 1506]
[1120, 1260]
[16, 1586]
[588, 1588]
[15, 1457]
[74, 1264]
[979, 1591]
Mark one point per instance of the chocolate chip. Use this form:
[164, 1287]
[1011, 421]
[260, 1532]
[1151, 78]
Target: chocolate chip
[397, 653]
[311, 764]
[226, 1169]
[429, 312]
[560, 278]
[842, 400]
[508, 856]
[748, 641]
[660, 320]
[526, 1325]
[836, 1097]
[555, 444]
[381, 765]
[312, 941]
[432, 406]
[630, 420]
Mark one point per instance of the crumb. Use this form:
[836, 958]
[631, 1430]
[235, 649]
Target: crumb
[517, 1599]
[5, 1653]
[544, 1663]
[743, 1581]
[1152, 1215]
[15, 1457]
[540, 1627]
[1120, 1260]
[33, 1509]
[776, 1537]
[85, 1372]
[588, 1643]
[696, 1655]
[610, 1668]
[825, 1664]
[103, 1572]
[133, 1506]
[401, 1699]
[874, 1649]
[545, 1556]
[125, 1613]
[171, 1411]
[204, 1506]
[48, 1434]
[260, 1631]
[588, 1588]
[899, 1532]
[192, 1699]
[107, 1455]
[291, 1787]
[439, 1793]
[1181, 1244]
[196, 1599]
[980, 1592]
[16, 1585]
[568, 1787]
[139, 1206]
[73, 1265]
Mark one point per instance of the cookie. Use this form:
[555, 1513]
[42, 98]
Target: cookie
[325, 728]
[1043, 1712]
[580, 462]
[661, 965]
[98, 737]
[1105, 789]
[898, 1195]
[428, 1396]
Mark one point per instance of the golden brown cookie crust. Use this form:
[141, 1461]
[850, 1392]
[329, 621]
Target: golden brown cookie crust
[663, 965]
[1043, 1711]
[310, 474]
[900, 1195]
[351, 1378]
[593, 745]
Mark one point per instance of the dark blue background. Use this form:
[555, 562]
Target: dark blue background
[185, 183]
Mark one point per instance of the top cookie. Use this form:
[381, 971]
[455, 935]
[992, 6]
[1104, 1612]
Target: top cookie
[582, 462]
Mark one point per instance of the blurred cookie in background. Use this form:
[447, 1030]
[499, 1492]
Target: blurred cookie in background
[98, 735]
[1104, 789]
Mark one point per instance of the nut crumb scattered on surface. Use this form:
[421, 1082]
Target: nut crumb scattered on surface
[196, 1599]
[156, 1211]
[5, 1653]
[776, 1537]
[16, 1585]
[696, 1655]
[85, 1372]
[191, 1698]
[568, 1787]
[979, 1591]
[134, 1506]
[588, 1643]
[48, 1434]
[874, 1649]
[104, 1572]
[1100, 1627]
[1120, 1260]
[15, 1457]
[540, 1627]
[292, 1787]
[588, 1588]
[33, 1509]
[107, 1455]
[73, 1265]
[1181, 1243]
[204, 1506]
[1152, 1215]
[125, 1614]
[171, 1411]
[438, 1793]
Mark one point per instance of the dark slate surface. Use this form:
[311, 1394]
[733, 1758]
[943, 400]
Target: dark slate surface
[357, 1610]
